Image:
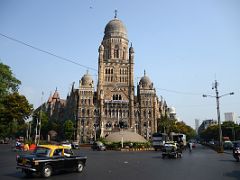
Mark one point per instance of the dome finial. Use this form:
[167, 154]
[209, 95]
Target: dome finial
[115, 16]
[144, 72]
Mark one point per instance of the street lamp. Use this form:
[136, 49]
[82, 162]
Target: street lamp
[215, 85]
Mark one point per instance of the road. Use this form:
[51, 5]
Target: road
[202, 163]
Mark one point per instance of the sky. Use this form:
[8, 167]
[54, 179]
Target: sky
[184, 46]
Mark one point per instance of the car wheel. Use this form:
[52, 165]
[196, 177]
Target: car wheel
[46, 171]
[80, 167]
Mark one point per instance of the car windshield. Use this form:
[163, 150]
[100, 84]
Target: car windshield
[42, 151]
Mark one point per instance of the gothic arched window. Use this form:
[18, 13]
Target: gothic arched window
[116, 52]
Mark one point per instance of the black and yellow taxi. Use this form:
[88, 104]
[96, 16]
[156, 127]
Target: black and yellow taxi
[47, 159]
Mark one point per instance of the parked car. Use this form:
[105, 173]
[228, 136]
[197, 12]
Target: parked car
[47, 159]
[211, 142]
[99, 146]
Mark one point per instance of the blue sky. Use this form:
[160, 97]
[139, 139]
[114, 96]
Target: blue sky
[184, 45]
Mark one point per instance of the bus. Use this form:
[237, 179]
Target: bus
[158, 140]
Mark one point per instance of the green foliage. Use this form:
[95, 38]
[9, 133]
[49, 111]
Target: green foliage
[167, 125]
[229, 129]
[43, 117]
[8, 83]
[118, 145]
[15, 110]
[181, 127]
[68, 129]
[211, 133]
[16, 107]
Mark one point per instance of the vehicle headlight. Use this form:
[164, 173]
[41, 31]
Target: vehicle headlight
[36, 163]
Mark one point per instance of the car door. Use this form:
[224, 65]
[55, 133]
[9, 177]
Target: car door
[70, 161]
[58, 159]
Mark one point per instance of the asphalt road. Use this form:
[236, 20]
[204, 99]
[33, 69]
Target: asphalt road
[201, 164]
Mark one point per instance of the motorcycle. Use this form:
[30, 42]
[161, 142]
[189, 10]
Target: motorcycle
[236, 152]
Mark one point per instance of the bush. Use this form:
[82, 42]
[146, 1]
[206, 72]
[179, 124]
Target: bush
[117, 145]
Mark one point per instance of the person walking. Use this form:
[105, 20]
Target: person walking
[190, 146]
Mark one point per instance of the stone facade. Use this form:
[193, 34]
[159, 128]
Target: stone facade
[114, 104]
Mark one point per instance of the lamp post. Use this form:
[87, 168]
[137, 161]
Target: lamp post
[215, 86]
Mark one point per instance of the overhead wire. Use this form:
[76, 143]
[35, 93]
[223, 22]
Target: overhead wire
[180, 92]
[84, 66]
[47, 52]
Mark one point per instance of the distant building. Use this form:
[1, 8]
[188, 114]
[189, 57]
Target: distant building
[205, 124]
[230, 116]
[197, 121]
[172, 113]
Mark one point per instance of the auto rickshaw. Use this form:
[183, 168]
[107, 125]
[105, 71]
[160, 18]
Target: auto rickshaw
[171, 150]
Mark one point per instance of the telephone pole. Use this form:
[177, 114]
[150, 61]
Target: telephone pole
[215, 86]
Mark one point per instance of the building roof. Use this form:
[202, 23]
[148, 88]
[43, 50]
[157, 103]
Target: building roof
[145, 81]
[115, 28]
[56, 95]
[87, 80]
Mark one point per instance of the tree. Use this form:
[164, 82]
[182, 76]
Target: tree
[14, 112]
[185, 129]
[230, 129]
[8, 83]
[168, 125]
[211, 133]
[68, 129]
[45, 125]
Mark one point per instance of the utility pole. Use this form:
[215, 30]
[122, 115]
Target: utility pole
[36, 131]
[40, 119]
[215, 86]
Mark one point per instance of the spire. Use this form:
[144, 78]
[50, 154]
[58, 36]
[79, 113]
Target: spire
[73, 86]
[144, 72]
[50, 98]
[115, 16]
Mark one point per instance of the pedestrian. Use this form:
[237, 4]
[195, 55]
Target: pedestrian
[190, 146]
[18, 145]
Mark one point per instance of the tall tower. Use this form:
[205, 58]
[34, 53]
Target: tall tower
[147, 99]
[85, 109]
[197, 125]
[115, 78]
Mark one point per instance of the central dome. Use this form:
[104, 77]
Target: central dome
[87, 80]
[145, 81]
[115, 28]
